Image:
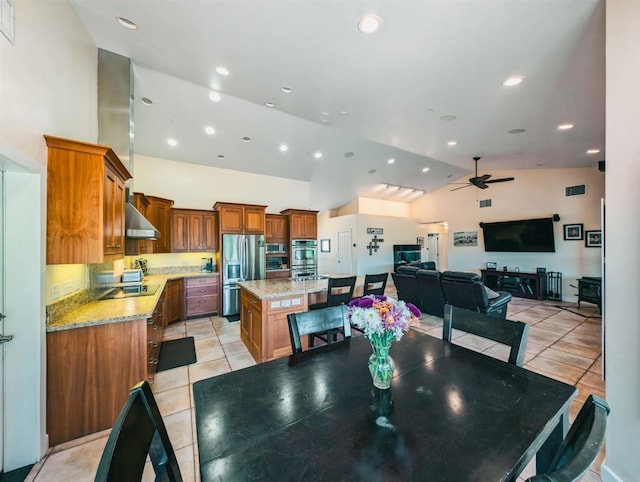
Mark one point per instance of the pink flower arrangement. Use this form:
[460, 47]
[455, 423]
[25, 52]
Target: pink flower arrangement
[382, 318]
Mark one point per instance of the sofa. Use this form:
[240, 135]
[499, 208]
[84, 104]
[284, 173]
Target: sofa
[420, 287]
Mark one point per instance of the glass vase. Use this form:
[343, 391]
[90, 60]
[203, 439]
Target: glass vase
[381, 365]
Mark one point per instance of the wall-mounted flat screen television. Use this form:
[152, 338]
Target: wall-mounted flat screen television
[527, 235]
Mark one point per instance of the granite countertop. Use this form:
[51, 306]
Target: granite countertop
[278, 287]
[101, 312]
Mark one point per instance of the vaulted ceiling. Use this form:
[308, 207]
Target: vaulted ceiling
[432, 75]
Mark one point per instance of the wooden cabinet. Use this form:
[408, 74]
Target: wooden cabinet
[175, 300]
[251, 324]
[275, 228]
[522, 285]
[285, 273]
[302, 224]
[201, 296]
[90, 371]
[240, 218]
[85, 203]
[155, 331]
[193, 230]
[159, 214]
[135, 247]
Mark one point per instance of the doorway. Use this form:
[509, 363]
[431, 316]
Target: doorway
[345, 264]
[433, 249]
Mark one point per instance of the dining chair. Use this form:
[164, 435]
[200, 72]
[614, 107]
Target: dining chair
[507, 332]
[581, 445]
[330, 320]
[137, 433]
[339, 292]
[375, 284]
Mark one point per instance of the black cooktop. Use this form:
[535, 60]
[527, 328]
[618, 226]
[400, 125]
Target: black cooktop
[130, 291]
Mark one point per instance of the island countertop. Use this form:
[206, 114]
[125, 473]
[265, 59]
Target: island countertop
[279, 287]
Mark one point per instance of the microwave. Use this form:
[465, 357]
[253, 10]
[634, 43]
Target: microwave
[275, 248]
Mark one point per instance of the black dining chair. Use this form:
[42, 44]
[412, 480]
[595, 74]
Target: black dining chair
[339, 292]
[375, 284]
[507, 332]
[330, 320]
[137, 433]
[581, 445]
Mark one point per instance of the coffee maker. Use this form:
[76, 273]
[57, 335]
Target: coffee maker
[207, 265]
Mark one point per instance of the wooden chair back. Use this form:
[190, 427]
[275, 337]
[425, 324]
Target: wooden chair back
[581, 445]
[137, 433]
[328, 320]
[375, 284]
[507, 332]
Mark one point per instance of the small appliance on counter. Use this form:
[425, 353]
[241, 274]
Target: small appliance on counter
[132, 276]
[207, 265]
[141, 263]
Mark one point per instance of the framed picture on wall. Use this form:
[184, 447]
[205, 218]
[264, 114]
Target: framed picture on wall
[420, 241]
[325, 245]
[573, 232]
[593, 239]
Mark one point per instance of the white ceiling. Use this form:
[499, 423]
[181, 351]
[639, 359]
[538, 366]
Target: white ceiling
[429, 59]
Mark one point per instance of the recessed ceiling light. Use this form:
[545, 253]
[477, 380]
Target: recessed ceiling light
[214, 96]
[220, 156]
[146, 101]
[425, 169]
[452, 143]
[317, 155]
[391, 161]
[344, 112]
[324, 120]
[516, 131]
[325, 113]
[369, 23]
[172, 142]
[593, 151]
[565, 127]
[246, 139]
[286, 90]
[511, 81]
[448, 118]
[125, 22]
[269, 104]
[210, 130]
[222, 70]
[284, 147]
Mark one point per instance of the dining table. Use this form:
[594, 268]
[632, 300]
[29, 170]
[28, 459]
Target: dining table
[451, 414]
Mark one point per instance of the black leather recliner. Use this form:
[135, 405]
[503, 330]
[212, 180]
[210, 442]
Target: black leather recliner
[407, 285]
[432, 299]
[466, 290]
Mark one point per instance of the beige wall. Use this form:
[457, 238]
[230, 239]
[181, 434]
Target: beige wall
[534, 193]
[622, 237]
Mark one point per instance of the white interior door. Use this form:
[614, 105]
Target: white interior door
[433, 248]
[344, 252]
[2, 204]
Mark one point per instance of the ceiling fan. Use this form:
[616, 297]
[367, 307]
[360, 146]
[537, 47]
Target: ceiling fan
[482, 181]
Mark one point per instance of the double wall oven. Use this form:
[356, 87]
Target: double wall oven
[304, 259]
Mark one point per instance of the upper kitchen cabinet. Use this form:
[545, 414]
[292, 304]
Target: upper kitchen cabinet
[302, 224]
[139, 246]
[240, 218]
[276, 228]
[159, 214]
[193, 230]
[85, 203]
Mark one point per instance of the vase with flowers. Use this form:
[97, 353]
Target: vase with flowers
[382, 320]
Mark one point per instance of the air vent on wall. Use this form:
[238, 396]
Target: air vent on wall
[576, 190]
[485, 203]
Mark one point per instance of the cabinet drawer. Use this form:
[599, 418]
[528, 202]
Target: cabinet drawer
[204, 304]
[207, 280]
[198, 291]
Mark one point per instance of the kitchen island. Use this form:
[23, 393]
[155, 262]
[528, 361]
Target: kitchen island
[264, 306]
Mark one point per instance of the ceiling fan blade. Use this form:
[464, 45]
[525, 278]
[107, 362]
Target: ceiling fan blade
[461, 187]
[482, 185]
[504, 179]
[479, 180]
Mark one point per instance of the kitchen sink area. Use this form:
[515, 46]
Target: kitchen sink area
[130, 291]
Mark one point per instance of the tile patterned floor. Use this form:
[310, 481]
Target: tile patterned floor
[564, 343]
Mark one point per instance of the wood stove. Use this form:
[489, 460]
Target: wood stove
[590, 290]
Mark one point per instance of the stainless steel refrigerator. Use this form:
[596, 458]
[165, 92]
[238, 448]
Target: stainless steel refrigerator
[243, 259]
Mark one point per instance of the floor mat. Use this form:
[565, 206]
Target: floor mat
[17, 475]
[232, 318]
[176, 353]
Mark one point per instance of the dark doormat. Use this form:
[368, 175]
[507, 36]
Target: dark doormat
[232, 318]
[176, 353]
[17, 475]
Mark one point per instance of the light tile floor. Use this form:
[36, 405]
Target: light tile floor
[564, 343]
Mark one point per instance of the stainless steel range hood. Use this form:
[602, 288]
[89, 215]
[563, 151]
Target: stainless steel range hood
[115, 128]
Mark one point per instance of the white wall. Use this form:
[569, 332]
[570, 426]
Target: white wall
[622, 237]
[48, 85]
[535, 193]
[199, 187]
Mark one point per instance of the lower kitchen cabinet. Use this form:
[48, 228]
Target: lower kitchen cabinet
[201, 296]
[155, 331]
[90, 371]
[175, 300]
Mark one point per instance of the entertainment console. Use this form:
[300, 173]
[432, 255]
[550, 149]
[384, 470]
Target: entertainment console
[523, 285]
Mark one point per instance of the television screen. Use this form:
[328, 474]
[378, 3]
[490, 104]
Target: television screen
[528, 235]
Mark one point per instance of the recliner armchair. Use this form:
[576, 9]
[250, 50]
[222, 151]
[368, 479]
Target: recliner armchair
[466, 290]
[407, 285]
[431, 295]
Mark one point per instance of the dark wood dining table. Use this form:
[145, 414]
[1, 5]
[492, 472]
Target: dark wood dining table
[451, 414]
